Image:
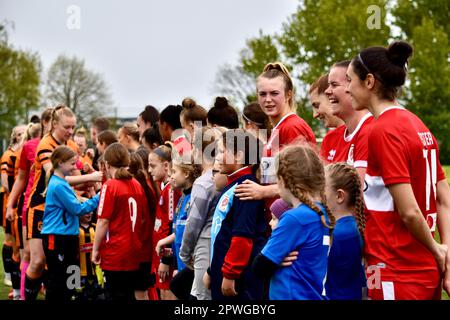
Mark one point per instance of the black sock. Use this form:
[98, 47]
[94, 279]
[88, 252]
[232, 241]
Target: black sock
[7, 252]
[32, 287]
[15, 274]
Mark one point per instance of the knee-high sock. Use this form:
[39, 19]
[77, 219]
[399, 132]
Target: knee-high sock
[15, 273]
[23, 270]
[7, 252]
[32, 287]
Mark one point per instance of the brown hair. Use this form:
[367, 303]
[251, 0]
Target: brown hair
[320, 84]
[60, 155]
[131, 130]
[46, 116]
[58, 111]
[100, 124]
[303, 174]
[117, 155]
[189, 167]
[107, 137]
[136, 168]
[253, 113]
[345, 177]
[193, 112]
[205, 137]
[164, 152]
[239, 140]
[277, 69]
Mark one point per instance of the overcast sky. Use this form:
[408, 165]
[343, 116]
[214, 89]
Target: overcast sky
[149, 52]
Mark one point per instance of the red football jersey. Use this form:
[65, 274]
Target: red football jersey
[352, 148]
[330, 143]
[124, 204]
[291, 128]
[401, 150]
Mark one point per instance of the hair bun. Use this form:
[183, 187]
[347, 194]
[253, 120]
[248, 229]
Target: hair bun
[399, 52]
[276, 66]
[221, 102]
[188, 103]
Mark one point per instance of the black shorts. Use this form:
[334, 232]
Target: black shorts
[120, 285]
[144, 278]
[34, 223]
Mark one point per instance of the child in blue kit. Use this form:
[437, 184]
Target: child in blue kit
[304, 228]
[60, 226]
[239, 228]
[346, 278]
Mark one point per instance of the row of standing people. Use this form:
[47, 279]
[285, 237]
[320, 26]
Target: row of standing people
[237, 254]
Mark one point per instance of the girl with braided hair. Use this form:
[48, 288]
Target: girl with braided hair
[305, 228]
[346, 277]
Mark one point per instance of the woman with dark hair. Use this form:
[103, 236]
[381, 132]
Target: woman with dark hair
[223, 115]
[171, 130]
[406, 189]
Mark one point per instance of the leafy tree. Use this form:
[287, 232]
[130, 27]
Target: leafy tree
[84, 91]
[322, 32]
[19, 85]
[424, 23]
[258, 52]
[235, 84]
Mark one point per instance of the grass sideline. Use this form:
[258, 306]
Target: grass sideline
[4, 290]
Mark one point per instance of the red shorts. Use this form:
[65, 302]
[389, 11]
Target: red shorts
[405, 291]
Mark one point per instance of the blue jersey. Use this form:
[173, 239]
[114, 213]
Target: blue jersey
[299, 229]
[239, 219]
[179, 225]
[346, 276]
[62, 208]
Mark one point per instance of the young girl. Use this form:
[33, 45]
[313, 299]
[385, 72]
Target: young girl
[304, 228]
[60, 227]
[196, 244]
[239, 228]
[119, 235]
[407, 192]
[143, 289]
[256, 121]
[159, 168]
[346, 277]
[62, 124]
[183, 177]
[192, 117]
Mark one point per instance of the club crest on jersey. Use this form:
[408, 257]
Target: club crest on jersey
[224, 203]
[331, 155]
[350, 155]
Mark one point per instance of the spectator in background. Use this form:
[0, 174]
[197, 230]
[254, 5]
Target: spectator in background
[147, 119]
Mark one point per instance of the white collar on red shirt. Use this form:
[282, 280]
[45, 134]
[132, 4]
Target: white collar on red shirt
[391, 108]
[360, 123]
[272, 136]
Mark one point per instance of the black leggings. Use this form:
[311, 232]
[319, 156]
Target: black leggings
[61, 252]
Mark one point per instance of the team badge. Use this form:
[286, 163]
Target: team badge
[224, 203]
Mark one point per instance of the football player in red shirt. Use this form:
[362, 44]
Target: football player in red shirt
[322, 111]
[275, 91]
[119, 236]
[406, 189]
[351, 146]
